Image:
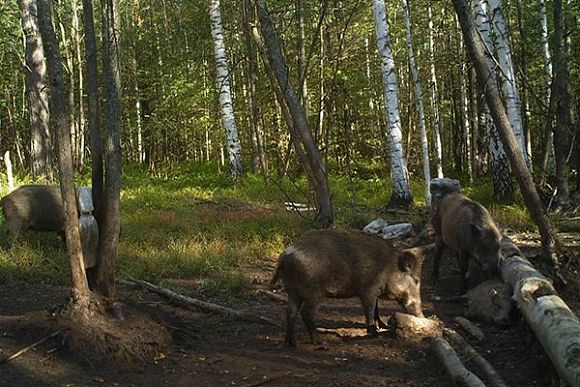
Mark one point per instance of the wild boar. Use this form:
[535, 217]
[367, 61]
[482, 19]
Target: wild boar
[491, 301]
[466, 227]
[33, 207]
[344, 264]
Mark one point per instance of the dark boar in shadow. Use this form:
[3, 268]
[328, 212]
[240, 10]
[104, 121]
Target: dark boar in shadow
[491, 301]
[467, 228]
[33, 207]
[344, 264]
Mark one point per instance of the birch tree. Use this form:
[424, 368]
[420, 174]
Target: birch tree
[508, 78]
[435, 118]
[548, 150]
[225, 96]
[36, 91]
[419, 104]
[401, 196]
[502, 181]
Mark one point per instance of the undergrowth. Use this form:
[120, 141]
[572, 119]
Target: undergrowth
[192, 223]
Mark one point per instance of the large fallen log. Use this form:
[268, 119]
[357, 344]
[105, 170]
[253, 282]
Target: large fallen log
[459, 375]
[488, 372]
[203, 305]
[554, 324]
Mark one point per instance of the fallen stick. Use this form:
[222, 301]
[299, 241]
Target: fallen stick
[469, 327]
[203, 305]
[26, 349]
[489, 373]
[273, 296]
[460, 376]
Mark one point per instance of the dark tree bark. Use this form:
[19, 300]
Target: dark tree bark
[320, 184]
[112, 187]
[80, 288]
[561, 104]
[523, 175]
[93, 99]
[37, 92]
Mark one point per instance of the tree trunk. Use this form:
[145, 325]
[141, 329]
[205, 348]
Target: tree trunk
[502, 180]
[508, 78]
[93, 99]
[401, 195]
[435, 117]
[419, 103]
[532, 200]
[560, 93]
[325, 206]
[80, 288]
[112, 185]
[303, 91]
[225, 97]
[37, 92]
[548, 152]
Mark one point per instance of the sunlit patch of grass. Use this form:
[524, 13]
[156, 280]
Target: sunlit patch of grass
[34, 262]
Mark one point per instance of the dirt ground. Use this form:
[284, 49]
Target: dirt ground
[211, 350]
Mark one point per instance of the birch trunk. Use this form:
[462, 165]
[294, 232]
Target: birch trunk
[464, 108]
[37, 92]
[223, 85]
[401, 196]
[502, 181]
[435, 118]
[508, 78]
[419, 104]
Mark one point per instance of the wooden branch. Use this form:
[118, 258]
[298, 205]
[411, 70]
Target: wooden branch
[469, 327]
[556, 327]
[205, 306]
[489, 373]
[26, 349]
[459, 375]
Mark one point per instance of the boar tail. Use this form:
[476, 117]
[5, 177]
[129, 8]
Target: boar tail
[278, 270]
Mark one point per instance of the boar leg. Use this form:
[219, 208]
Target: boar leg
[369, 304]
[378, 320]
[463, 260]
[308, 313]
[294, 306]
[439, 245]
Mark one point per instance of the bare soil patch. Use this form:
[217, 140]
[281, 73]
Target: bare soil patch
[210, 350]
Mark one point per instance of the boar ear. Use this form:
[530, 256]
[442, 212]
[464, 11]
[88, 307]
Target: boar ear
[408, 260]
[476, 230]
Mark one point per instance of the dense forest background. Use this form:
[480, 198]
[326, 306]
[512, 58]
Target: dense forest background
[170, 112]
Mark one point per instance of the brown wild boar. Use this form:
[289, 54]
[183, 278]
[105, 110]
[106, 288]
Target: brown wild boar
[491, 301]
[33, 207]
[344, 264]
[466, 227]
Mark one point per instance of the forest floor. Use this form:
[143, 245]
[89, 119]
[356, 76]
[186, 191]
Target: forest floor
[212, 350]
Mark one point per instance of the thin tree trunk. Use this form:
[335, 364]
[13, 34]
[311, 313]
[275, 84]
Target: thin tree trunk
[81, 110]
[464, 112]
[80, 288]
[548, 152]
[37, 92]
[419, 104]
[94, 111]
[401, 195]
[561, 94]
[303, 92]
[323, 193]
[225, 97]
[112, 188]
[435, 117]
[532, 200]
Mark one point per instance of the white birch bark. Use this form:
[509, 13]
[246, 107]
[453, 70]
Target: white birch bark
[225, 97]
[501, 173]
[545, 48]
[419, 104]
[401, 191]
[436, 122]
[464, 107]
[508, 78]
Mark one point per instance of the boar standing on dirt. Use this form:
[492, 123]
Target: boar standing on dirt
[343, 264]
[33, 207]
[466, 227]
[491, 301]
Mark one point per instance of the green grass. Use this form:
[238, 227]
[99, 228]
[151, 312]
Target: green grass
[192, 223]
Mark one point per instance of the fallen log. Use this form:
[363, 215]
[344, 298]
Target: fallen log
[488, 372]
[415, 328]
[469, 327]
[459, 375]
[554, 324]
[204, 305]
